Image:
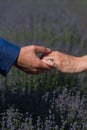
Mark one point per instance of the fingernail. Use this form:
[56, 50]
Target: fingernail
[49, 49]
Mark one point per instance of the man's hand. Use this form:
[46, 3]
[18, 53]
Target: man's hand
[29, 62]
[66, 63]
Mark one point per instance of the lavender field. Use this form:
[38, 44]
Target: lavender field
[52, 100]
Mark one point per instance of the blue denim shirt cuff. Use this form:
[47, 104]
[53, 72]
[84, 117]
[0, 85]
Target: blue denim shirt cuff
[8, 55]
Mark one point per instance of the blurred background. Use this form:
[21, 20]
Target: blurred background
[52, 100]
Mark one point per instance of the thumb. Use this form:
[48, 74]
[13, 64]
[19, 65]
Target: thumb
[42, 49]
[50, 63]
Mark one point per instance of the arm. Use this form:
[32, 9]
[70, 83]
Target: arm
[24, 58]
[8, 55]
[67, 63]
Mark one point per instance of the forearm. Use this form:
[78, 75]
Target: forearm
[82, 64]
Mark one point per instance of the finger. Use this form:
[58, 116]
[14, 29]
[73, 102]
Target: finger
[42, 49]
[48, 62]
[45, 66]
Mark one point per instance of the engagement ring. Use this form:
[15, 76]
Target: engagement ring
[50, 60]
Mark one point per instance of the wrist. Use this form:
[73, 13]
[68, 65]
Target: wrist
[82, 63]
[17, 61]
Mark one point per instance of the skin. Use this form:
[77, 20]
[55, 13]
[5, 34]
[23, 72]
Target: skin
[29, 62]
[67, 63]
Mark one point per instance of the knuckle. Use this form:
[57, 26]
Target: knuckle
[33, 47]
[56, 52]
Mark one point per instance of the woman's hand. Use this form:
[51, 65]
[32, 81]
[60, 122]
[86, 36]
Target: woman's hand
[66, 63]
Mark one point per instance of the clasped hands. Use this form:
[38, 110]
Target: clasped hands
[29, 62]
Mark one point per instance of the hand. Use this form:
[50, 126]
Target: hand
[66, 63]
[29, 62]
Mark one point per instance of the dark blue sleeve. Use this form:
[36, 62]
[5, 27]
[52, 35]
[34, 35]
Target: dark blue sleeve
[8, 55]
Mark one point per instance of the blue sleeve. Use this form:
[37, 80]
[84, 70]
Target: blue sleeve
[8, 55]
